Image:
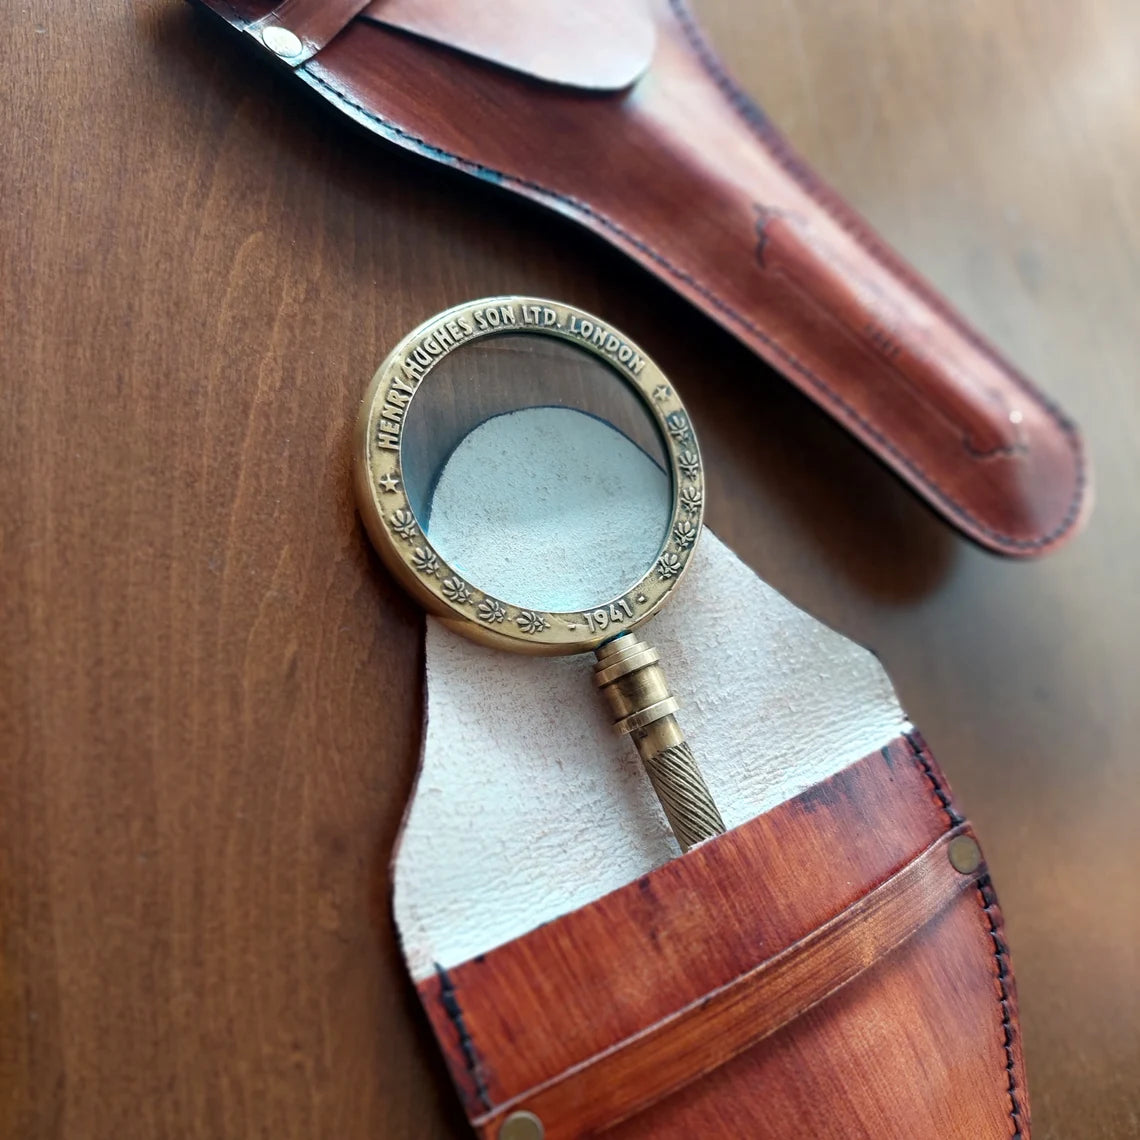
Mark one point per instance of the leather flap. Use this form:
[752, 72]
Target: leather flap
[592, 44]
[685, 175]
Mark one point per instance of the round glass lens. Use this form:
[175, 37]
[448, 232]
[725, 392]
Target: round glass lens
[537, 472]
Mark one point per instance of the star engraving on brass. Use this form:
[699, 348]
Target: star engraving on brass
[406, 547]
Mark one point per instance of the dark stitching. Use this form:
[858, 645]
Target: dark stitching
[1001, 952]
[455, 1015]
[490, 174]
[1001, 955]
[857, 226]
[918, 748]
[850, 221]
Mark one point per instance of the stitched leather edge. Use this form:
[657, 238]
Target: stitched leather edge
[987, 899]
[848, 217]
[535, 189]
[450, 1002]
[987, 896]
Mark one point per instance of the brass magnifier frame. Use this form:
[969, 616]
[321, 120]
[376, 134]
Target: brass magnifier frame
[627, 670]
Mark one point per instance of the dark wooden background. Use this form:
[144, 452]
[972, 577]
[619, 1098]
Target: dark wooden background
[209, 689]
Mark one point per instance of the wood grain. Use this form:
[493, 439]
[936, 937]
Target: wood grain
[210, 692]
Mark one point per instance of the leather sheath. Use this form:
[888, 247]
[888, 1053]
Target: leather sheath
[830, 969]
[836, 966]
[619, 116]
[833, 966]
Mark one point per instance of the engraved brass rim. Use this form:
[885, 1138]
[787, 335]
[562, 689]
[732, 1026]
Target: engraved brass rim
[396, 532]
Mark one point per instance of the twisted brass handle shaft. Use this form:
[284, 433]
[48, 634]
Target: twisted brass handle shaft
[628, 673]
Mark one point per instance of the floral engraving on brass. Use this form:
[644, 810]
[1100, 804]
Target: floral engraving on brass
[690, 464]
[490, 610]
[691, 499]
[403, 523]
[399, 535]
[425, 561]
[530, 622]
[627, 670]
[678, 425]
[456, 590]
[684, 534]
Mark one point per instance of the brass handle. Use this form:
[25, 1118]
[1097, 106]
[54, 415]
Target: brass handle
[628, 673]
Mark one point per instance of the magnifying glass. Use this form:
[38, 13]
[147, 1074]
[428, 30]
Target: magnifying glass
[533, 480]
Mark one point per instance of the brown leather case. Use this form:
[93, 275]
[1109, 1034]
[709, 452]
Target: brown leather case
[623, 119]
[834, 968]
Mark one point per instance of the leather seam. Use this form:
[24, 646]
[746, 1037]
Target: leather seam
[850, 221]
[860, 230]
[920, 754]
[450, 1002]
[987, 897]
[792, 362]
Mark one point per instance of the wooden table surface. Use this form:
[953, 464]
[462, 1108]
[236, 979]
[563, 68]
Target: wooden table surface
[209, 689]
